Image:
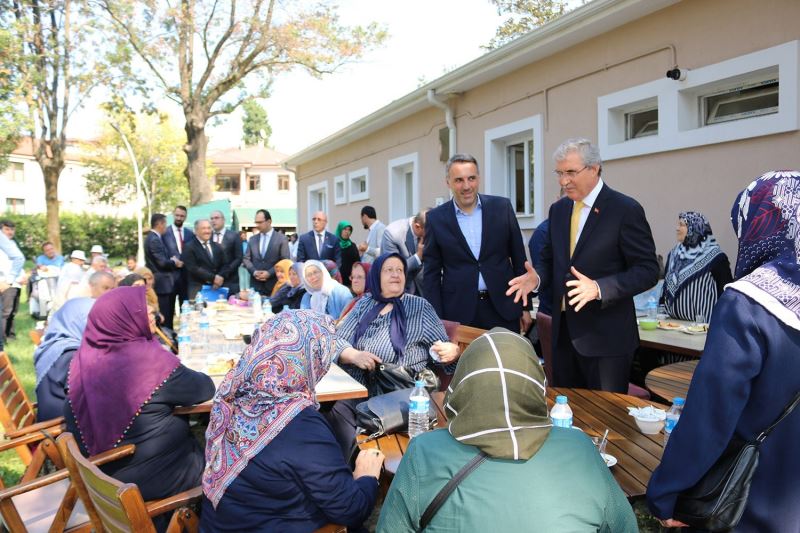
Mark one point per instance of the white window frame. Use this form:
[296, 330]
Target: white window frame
[357, 196]
[496, 141]
[399, 163]
[312, 189]
[340, 181]
[680, 124]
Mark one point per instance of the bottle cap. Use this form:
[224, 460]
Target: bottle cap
[561, 399]
[678, 401]
[419, 383]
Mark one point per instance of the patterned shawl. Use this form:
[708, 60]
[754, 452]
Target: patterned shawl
[691, 258]
[64, 332]
[496, 400]
[273, 382]
[117, 368]
[397, 331]
[766, 219]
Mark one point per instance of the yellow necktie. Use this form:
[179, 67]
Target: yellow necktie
[574, 223]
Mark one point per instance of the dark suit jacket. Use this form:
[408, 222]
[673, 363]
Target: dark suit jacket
[307, 248]
[399, 238]
[277, 249]
[157, 259]
[615, 249]
[179, 274]
[450, 280]
[201, 269]
[232, 248]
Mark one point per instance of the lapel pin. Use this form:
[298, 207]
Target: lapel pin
[596, 211]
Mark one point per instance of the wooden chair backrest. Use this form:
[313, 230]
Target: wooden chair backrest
[465, 335]
[16, 410]
[112, 506]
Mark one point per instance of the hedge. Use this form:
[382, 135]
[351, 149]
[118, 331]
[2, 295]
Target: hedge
[78, 232]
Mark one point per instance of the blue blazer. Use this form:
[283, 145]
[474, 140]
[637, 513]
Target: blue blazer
[307, 248]
[450, 280]
[615, 249]
[172, 249]
[157, 259]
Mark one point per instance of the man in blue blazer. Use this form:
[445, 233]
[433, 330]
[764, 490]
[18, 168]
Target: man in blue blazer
[318, 243]
[473, 246]
[176, 235]
[599, 255]
[163, 265]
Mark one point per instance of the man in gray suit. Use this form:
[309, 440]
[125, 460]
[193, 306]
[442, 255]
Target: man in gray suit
[264, 249]
[407, 238]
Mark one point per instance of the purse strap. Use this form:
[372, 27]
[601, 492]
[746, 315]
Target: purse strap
[789, 408]
[451, 485]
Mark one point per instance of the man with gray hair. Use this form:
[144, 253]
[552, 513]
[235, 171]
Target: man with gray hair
[203, 260]
[100, 283]
[407, 238]
[600, 253]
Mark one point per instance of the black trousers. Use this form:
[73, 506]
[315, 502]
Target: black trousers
[166, 304]
[10, 312]
[573, 370]
[487, 317]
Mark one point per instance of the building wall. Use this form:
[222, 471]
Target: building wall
[562, 92]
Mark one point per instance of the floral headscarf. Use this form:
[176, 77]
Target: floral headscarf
[766, 219]
[272, 383]
[691, 258]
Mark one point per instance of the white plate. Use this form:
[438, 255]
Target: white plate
[690, 332]
[609, 459]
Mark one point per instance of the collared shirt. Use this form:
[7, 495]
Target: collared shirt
[17, 260]
[218, 239]
[263, 242]
[57, 261]
[588, 203]
[178, 234]
[206, 246]
[472, 228]
[374, 238]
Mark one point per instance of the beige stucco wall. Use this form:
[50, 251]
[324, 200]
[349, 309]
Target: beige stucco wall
[705, 178]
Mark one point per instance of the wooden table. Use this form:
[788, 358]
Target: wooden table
[593, 411]
[671, 380]
[674, 341]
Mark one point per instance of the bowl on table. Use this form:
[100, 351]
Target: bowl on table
[648, 324]
[649, 425]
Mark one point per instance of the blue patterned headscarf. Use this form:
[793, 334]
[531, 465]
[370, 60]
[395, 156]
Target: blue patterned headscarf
[272, 383]
[692, 257]
[766, 219]
[397, 331]
[64, 332]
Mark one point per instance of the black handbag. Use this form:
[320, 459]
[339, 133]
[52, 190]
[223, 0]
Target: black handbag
[389, 377]
[718, 500]
[387, 413]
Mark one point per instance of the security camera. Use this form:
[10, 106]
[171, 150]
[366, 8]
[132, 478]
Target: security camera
[677, 74]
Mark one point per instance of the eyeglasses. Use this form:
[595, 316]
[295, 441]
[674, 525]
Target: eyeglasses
[569, 173]
[392, 271]
[260, 221]
[317, 218]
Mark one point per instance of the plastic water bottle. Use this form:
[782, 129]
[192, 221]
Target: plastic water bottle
[204, 327]
[256, 306]
[561, 413]
[418, 406]
[184, 342]
[199, 304]
[186, 310]
[286, 307]
[652, 308]
[673, 415]
[266, 308]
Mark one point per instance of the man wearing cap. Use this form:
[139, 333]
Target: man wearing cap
[96, 251]
[10, 273]
[371, 248]
[70, 276]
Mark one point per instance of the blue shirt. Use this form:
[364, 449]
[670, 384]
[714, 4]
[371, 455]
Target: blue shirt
[57, 261]
[472, 228]
[10, 248]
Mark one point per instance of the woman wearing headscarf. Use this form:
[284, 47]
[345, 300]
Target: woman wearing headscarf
[150, 283]
[536, 477]
[333, 270]
[323, 293]
[282, 268]
[123, 388]
[350, 254]
[290, 293]
[386, 326]
[697, 270]
[358, 285]
[750, 369]
[272, 463]
[52, 357]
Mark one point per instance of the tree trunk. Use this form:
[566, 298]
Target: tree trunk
[51, 173]
[195, 148]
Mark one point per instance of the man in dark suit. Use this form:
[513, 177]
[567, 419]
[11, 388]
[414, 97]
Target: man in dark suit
[264, 249]
[175, 236]
[163, 265]
[318, 243]
[407, 238]
[231, 245]
[600, 253]
[203, 259]
[473, 246]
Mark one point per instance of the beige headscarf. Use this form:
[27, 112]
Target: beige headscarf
[496, 400]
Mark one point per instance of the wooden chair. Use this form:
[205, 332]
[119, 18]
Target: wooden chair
[115, 506]
[36, 336]
[50, 503]
[18, 417]
[461, 335]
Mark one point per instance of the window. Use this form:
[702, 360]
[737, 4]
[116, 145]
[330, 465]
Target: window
[750, 100]
[283, 182]
[317, 199]
[520, 170]
[403, 186]
[15, 206]
[253, 182]
[228, 184]
[16, 172]
[359, 185]
[444, 144]
[641, 123]
[340, 189]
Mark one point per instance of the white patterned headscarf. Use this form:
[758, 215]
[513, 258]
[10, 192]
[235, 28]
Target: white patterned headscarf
[766, 219]
[692, 257]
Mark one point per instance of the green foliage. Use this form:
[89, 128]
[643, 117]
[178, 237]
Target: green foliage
[254, 122]
[11, 116]
[523, 17]
[78, 231]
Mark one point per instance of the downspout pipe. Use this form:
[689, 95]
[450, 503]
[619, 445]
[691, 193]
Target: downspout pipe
[449, 118]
